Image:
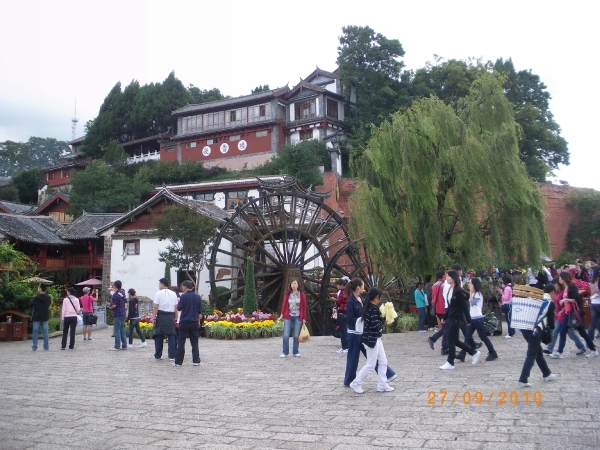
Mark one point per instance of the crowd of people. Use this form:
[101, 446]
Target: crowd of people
[444, 306]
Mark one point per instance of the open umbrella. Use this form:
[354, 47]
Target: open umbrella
[36, 280]
[90, 282]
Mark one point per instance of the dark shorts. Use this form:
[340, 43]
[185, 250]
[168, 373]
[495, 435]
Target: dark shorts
[86, 318]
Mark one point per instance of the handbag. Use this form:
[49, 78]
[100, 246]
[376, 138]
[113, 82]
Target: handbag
[79, 318]
[92, 319]
[337, 333]
[574, 319]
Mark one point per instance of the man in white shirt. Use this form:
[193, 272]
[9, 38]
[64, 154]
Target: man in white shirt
[163, 315]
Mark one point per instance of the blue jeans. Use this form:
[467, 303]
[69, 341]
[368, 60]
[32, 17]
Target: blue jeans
[564, 327]
[595, 323]
[35, 332]
[135, 324]
[422, 318]
[120, 337]
[355, 347]
[295, 323]
[571, 334]
[506, 309]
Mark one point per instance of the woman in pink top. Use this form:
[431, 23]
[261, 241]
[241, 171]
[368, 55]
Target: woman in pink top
[507, 295]
[87, 305]
[68, 316]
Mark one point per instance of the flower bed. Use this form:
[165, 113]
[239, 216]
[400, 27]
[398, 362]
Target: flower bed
[238, 326]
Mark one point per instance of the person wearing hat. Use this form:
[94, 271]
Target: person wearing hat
[87, 305]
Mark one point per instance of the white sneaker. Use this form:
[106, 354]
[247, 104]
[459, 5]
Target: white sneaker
[144, 344]
[345, 350]
[508, 336]
[129, 346]
[341, 350]
[550, 377]
[592, 354]
[357, 388]
[525, 384]
[283, 355]
[392, 378]
[557, 355]
[90, 339]
[385, 389]
[447, 366]
[297, 355]
[475, 357]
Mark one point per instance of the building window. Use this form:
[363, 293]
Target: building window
[205, 197]
[66, 173]
[261, 133]
[332, 108]
[305, 109]
[236, 198]
[259, 112]
[213, 120]
[211, 141]
[235, 137]
[167, 150]
[306, 134]
[61, 217]
[190, 145]
[190, 124]
[131, 247]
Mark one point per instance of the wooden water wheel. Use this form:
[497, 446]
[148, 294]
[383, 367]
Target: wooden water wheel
[290, 233]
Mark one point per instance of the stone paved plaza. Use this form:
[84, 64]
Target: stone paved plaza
[244, 396]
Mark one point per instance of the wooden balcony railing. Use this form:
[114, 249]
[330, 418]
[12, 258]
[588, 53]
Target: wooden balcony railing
[73, 260]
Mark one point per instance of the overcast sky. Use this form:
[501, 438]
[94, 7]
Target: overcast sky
[57, 52]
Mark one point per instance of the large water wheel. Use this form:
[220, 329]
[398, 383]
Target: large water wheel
[290, 233]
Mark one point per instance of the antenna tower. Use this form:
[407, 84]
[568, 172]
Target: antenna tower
[74, 126]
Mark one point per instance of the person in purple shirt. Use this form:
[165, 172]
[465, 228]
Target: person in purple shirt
[117, 306]
[190, 305]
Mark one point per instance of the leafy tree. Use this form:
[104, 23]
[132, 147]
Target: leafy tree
[189, 234]
[134, 113]
[440, 185]
[583, 237]
[203, 96]
[101, 188]
[37, 152]
[368, 64]
[168, 272]
[541, 147]
[9, 193]
[115, 153]
[250, 300]
[171, 172]
[300, 159]
[260, 88]
[28, 182]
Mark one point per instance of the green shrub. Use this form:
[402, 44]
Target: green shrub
[53, 325]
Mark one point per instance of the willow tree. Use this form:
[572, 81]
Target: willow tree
[440, 184]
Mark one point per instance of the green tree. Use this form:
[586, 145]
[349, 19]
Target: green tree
[439, 186]
[541, 147]
[250, 300]
[583, 237]
[102, 188]
[168, 272]
[368, 65]
[260, 88]
[171, 172]
[203, 96]
[134, 113]
[28, 182]
[189, 234]
[9, 193]
[115, 153]
[37, 152]
[301, 159]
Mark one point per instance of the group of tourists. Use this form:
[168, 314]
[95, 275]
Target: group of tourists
[176, 318]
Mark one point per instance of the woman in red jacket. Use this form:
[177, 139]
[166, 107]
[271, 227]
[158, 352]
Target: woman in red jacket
[293, 313]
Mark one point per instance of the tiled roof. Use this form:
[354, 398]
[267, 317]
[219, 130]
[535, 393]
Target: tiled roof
[35, 229]
[86, 226]
[64, 196]
[230, 101]
[17, 208]
[204, 208]
[219, 184]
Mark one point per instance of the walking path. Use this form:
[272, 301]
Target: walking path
[244, 396]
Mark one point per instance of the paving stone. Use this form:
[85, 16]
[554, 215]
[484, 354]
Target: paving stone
[245, 397]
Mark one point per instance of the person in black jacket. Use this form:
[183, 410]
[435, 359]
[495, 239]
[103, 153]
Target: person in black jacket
[40, 316]
[371, 338]
[534, 339]
[456, 314]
